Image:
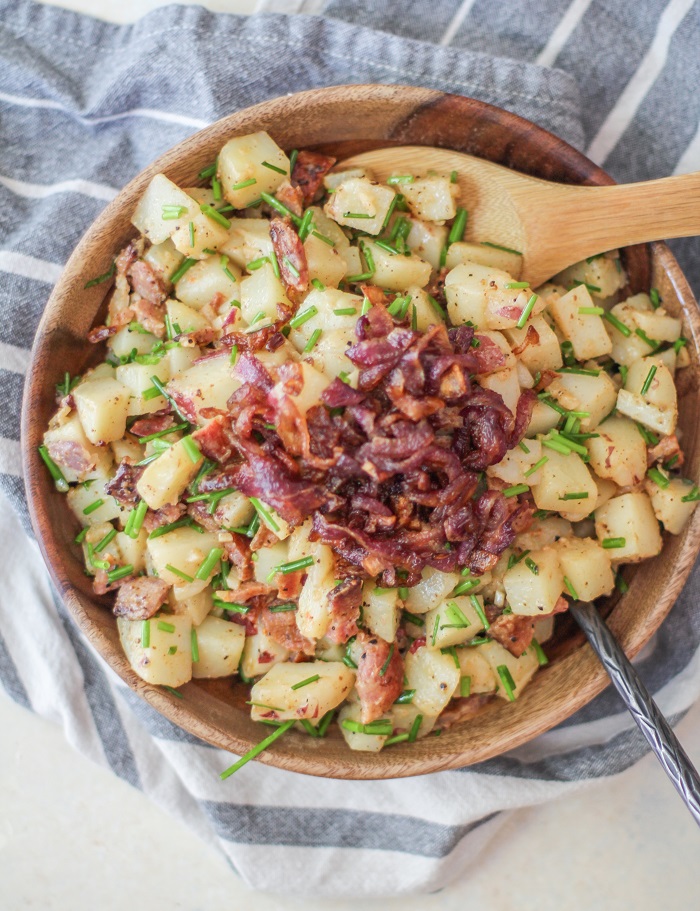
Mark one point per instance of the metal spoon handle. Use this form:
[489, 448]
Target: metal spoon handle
[643, 709]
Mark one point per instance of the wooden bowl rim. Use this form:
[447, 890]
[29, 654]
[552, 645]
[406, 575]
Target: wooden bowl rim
[397, 762]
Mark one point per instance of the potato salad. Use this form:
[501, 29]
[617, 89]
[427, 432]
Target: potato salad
[338, 450]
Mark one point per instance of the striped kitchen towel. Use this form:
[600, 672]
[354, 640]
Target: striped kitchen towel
[85, 105]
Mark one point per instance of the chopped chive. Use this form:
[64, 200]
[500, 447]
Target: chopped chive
[620, 584]
[523, 446]
[515, 490]
[658, 477]
[258, 263]
[452, 652]
[537, 466]
[542, 659]
[526, 312]
[345, 311]
[649, 438]
[436, 307]
[172, 650]
[293, 155]
[80, 537]
[415, 727]
[649, 378]
[216, 190]
[532, 566]
[413, 618]
[208, 172]
[172, 213]
[692, 496]
[465, 687]
[397, 738]
[165, 627]
[318, 285]
[173, 691]
[679, 343]
[386, 664]
[325, 722]
[178, 572]
[282, 608]
[378, 728]
[579, 371]
[105, 277]
[280, 207]
[92, 507]
[478, 640]
[290, 265]
[581, 495]
[610, 543]
[190, 229]
[507, 681]
[645, 338]
[186, 264]
[224, 265]
[436, 626]
[231, 606]
[570, 588]
[414, 318]
[540, 514]
[54, 470]
[465, 587]
[119, 573]
[453, 177]
[458, 226]
[361, 277]
[194, 644]
[171, 526]
[215, 215]
[264, 513]
[357, 215]
[557, 446]
[273, 167]
[254, 203]
[400, 178]
[208, 564]
[479, 611]
[305, 225]
[244, 183]
[146, 633]
[259, 748]
[567, 353]
[406, 698]
[163, 433]
[620, 326]
[655, 298]
[308, 727]
[151, 393]
[486, 243]
[136, 519]
[303, 317]
[457, 616]
[191, 448]
[252, 529]
[291, 567]
[591, 311]
[310, 345]
[592, 288]
[512, 286]
[383, 245]
[233, 357]
[312, 679]
[671, 462]
[326, 240]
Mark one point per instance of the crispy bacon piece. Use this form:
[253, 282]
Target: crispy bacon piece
[146, 283]
[281, 626]
[238, 552]
[101, 585]
[151, 315]
[202, 337]
[488, 355]
[164, 516]
[289, 585]
[215, 439]
[199, 511]
[144, 427]
[344, 608]
[246, 591]
[379, 680]
[531, 338]
[118, 321]
[123, 485]
[289, 250]
[376, 295]
[141, 598]
[513, 632]
[463, 709]
[309, 170]
[665, 449]
[548, 377]
[71, 455]
[291, 197]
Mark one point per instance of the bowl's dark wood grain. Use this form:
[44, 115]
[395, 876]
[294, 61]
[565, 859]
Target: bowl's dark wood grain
[344, 120]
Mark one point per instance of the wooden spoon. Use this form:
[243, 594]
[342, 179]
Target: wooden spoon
[553, 225]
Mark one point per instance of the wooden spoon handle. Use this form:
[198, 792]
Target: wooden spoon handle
[590, 220]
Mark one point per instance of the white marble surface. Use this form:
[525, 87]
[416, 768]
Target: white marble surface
[75, 838]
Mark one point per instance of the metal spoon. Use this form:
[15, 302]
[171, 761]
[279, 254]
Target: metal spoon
[644, 710]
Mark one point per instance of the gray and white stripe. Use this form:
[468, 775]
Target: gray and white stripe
[81, 112]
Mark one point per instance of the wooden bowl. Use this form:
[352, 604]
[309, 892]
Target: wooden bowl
[344, 120]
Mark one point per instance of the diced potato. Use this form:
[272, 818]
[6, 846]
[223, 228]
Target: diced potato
[353, 261]
[546, 354]
[561, 475]
[206, 279]
[522, 669]
[103, 406]
[595, 394]
[473, 664]
[433, 588]
[477, 294]
[164, 258]
[626, 349]
[585, 331]
[314, 384]
[195, 606]
[543, 419]
[276, 690]
[427, 240]
[505, 383]
[333, 180]
[659, 325]
[543, 532]
[128, 339]
[180, 359]
[248, 239]
[433, 676]
[364, 743]
[668, 504]
[325, 226]
[359, 196]
[544, 628]
[206, 233]
[268, 558]
[395, 271]
[274, 521]
[184, 549]
[326, 303]
[260, 654]
[164, 480]
[95, 534]
[328, 354]
[602, 273]
[208, 384]
[453, 622]
[312, 616]
[531, 593]
[493, 257]
[158, 664]
[132, 550]
[127, 448]
[261, 292]
[67, 428]
[137, 378]
[629, 517]
[606, 490]
[657, 407]
[404, 716]
[220, 646]
[326, 264]
[381, 610]
[426, 314]
[587, 567]
[148, 217]
[241, 162]
[619, 453]
[525, 378]
[431, 198]
[85, 495]
[516, 462]
[500, 341]
[234, 510]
